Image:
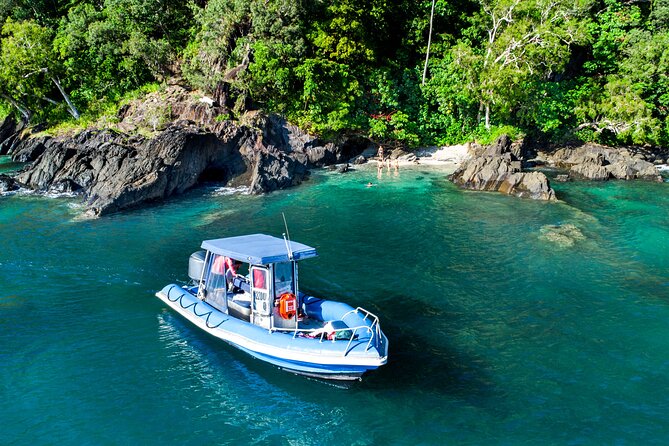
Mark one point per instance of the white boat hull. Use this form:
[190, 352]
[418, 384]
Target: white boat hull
[339, 360]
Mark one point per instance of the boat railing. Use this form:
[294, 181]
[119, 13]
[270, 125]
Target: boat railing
[325, 336]
[374, 330]
[375, 326]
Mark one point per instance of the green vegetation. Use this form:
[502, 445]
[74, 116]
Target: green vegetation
[555, 69]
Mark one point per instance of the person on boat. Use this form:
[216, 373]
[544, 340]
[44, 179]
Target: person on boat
[218, 267]
[231, 271]
[231, 267]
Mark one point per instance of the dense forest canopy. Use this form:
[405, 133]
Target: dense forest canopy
[555, 69]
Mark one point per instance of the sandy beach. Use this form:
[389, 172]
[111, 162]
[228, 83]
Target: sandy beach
[447, 158]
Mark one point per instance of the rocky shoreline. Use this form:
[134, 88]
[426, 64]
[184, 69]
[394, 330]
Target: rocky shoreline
[503, 167]
[119, 169]
[114, 170]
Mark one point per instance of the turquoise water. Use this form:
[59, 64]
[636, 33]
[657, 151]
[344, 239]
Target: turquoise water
[498, 333]
[6, 164]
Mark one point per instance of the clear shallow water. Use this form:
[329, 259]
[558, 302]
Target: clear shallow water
[498, 335]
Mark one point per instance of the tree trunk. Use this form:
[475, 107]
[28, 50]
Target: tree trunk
[487, 116]
[23, 110]
[429, 42]
[71, 108]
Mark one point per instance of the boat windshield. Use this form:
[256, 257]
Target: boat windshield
[216, 281]
[283, 278]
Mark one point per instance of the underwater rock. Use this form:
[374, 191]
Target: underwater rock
[565, 236]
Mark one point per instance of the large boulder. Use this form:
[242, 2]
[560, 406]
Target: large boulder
[590, 171]
[498, 169]
[633, 169]
[320, 156]
[533, 185]
[596, 162]
[276, 170]
[483, 173]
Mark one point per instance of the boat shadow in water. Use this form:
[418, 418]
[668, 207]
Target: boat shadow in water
[420, 362]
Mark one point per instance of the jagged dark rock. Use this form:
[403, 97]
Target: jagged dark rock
[9, 134]
[29, 149]
[8, 184]
[498, 169]
[533, 185]
[359, 160]
[276, 170]
[590, 170]
[116, 171]
[597, 162]
[320, 156]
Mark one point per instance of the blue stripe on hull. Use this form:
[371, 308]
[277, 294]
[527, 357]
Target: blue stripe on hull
[310, 368]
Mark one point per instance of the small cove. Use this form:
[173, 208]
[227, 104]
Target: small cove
[497, 334]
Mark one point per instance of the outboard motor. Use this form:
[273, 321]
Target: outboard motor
[196, 265]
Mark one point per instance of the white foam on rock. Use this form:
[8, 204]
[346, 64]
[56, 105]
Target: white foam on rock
[223, 191]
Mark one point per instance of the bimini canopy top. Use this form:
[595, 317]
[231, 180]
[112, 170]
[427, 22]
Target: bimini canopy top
[258, 249]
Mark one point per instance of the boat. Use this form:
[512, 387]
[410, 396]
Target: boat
[244, 290]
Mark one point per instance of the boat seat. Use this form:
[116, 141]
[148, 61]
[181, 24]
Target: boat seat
[239, 305]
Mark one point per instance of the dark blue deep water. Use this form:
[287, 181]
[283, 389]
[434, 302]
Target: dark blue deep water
[510, 321]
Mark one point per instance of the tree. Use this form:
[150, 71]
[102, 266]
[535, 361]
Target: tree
[525, 40]
[223, 29]
[28, 63]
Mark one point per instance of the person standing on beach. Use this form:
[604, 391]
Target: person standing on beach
[379, 166]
